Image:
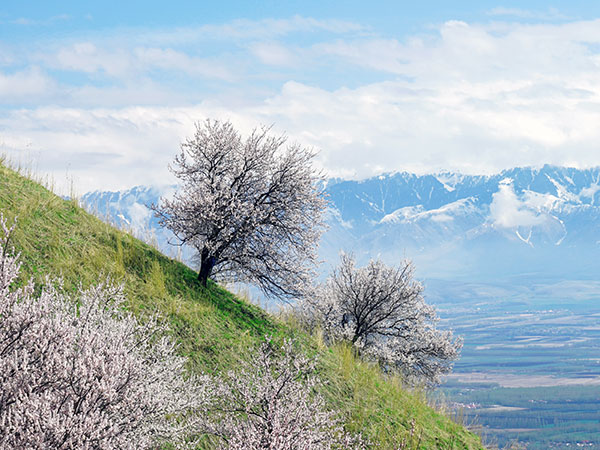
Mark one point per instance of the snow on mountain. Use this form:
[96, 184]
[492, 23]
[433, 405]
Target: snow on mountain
[449, 180]
[444, 213]
[523, 220]
[130, 210]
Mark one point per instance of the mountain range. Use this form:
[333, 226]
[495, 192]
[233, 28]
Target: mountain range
[522, 222]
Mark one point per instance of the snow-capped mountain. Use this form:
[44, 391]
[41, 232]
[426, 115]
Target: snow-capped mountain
[130, 211]
[521, 221]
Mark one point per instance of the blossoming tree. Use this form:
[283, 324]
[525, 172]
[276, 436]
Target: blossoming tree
[251, 208]
[80, 372]
[381, 310]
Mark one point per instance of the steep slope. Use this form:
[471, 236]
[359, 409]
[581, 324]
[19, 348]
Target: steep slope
[214, 327]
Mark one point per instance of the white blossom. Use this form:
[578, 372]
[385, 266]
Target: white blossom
[271, 402]
[251, 209]
[80, 372]
[381, 310]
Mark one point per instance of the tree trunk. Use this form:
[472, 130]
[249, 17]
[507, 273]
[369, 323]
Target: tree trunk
[207, 263]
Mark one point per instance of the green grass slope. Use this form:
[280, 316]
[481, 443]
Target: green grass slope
[214, 327]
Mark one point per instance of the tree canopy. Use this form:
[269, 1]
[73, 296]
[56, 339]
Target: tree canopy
[381, 310]
[253, 209]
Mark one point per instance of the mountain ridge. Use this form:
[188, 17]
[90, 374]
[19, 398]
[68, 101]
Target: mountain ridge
[540, 216]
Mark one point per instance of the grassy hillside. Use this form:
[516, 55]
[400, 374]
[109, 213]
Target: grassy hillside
[214, 328]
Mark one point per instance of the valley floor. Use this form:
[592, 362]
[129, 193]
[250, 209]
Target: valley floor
[530, 366]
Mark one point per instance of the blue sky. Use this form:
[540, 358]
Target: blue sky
[390, 17]
[104, 92]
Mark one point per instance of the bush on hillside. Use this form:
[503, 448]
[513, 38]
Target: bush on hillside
[382, 312]
[79, 372]
[271, 403]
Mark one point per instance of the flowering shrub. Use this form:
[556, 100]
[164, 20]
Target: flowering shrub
[381, 311]
[271, 403]
[79, 372]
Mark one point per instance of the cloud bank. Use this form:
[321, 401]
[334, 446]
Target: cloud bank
[508, 211]
[111, 109]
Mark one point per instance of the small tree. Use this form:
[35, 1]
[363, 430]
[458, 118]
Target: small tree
[79, 372]
[381, 311]
[272, 403]
[249, 208]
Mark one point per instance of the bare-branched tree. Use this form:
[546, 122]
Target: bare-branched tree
[79, 372]
[271, 402]
[381, 310]
[251, 209]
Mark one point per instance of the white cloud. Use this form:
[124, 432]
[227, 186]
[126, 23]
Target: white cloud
[590, 192]
[100, 149]
[127, 64]
[172, 60]
[244, 29]
[385, 55]
[512, 95]
[470, 97]
[549, 14]
[274, 53]
[508, 211]
[140, 216]
[49, 21]
[26, 85]
[279, 27]
[87, 57]
[106, 149]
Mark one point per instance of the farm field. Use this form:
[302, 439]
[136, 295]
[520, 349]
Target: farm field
[530, 365]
